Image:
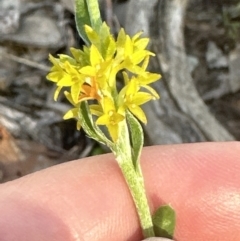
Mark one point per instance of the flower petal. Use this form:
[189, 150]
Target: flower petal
[96, 110]
[103, 120]
[92, 35]
[145, 63]
[75, 92]
[88, 70]
[138, 112]
[54, 61]
[121, 39]
[72, 113]
[113, 131]
[128, 48]
[56, 93]
[76, 53]
[148, 78]
[69, 97]
[54, 76]
[141, 98]
[108, 105]
[66, 80]
[152, 91]
[95, 56]
[132, 87]
[141, 43]
[138, 56]
[136, 36]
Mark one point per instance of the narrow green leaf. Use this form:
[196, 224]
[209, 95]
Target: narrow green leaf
[82, 18]
[136, 138]
[84, 113]
[123, 143]
[87, 13]
[164, 220]
[90, 128]
[94, 13]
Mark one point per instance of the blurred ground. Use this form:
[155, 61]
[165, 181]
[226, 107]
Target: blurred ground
[212, 34]
[32, 133]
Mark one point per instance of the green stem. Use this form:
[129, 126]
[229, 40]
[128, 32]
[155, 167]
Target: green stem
[136, 186]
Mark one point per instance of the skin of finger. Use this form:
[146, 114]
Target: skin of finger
[89, 200]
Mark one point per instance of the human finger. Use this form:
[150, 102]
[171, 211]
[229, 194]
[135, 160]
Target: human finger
[89, 200]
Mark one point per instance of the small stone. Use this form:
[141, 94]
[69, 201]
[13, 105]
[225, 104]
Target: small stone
[38, 30]
[9, 16]
[215, 57]
[192, 63]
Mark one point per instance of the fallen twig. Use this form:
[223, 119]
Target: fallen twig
[27, 62]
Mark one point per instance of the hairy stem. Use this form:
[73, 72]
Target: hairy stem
[136, 187]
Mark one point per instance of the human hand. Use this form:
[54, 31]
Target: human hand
[89, 200]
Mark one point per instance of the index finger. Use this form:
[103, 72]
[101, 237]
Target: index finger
[89, 200]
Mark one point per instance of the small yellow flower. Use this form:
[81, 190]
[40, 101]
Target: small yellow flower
[90, 91]
[91, 75]
[131, 98]
[72, 113]
[98, 70]
[131, 50]
[110, 118]
[65, 74]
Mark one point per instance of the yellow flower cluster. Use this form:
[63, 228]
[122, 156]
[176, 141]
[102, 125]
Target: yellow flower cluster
[91, 75]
